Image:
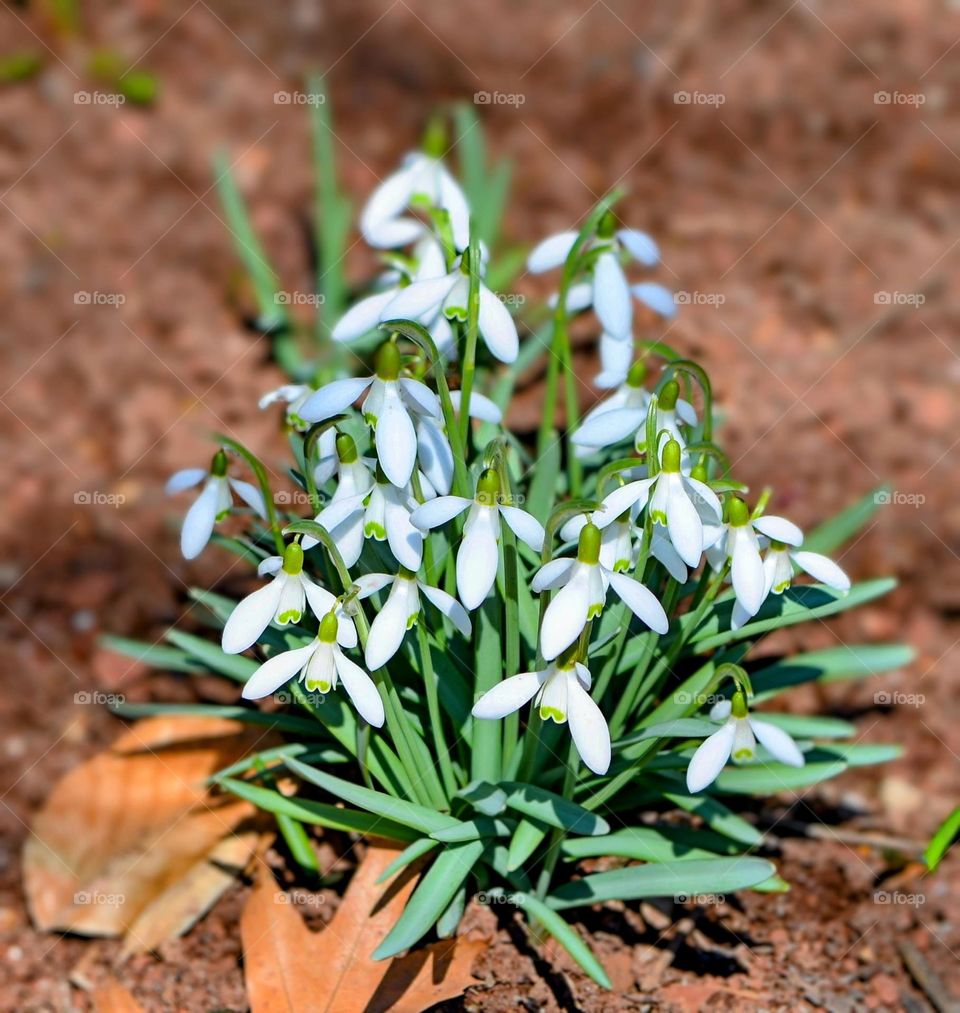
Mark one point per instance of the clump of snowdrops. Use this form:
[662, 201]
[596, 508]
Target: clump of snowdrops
[511, 654]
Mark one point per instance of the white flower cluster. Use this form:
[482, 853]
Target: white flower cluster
[664, 510]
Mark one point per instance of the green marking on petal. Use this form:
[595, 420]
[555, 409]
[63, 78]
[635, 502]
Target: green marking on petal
[659, 517]
[290, 616]
[373, 530]
[455, 313]
[621, 566]
[370, 419]
[553, 714]
[781, 587]
[739, 755]
[412, 620]
[222, 514]
[594, 611]
[318, 684]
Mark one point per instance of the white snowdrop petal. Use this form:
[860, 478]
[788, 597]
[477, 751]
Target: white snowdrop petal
[497, 327]
[570, 531]
[579, 297]
[346, 630]
[198, 522]
[405, 541]
[685, 412]
[550, 252]
[386, 202]
[387, 631]
[747, 574]
[704, 499]
[250, 495]
[396, 441]
[509, 695]
[611, 296]
[333, 398]
[478, 557]
[360, 688]
[320, 600]
[641, 601]
[683, 522]
[448, 606]
[739, 616]
[419, 301]
[710, 758]
[642, 247]
[525, 526]
[439, 511]
[823, 569]
[564, 619]
[434, 454]
[588, 727]
[616, 355]
[370, 583]
[623, 499]
[779, 529]
[661, 548]
[661, 300]
[609, 427]
[272, 674]
[251, 617]
[363, 317]
[721, 710]
[481, 407]
[552, 575]
[420, 397]
[186, 479]
[270, 565]
[777, 742]
[339, 510]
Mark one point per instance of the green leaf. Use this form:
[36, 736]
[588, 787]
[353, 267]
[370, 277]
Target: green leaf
[431, 897]
[644, 844]
[411, 814]
[526, 839]
[718, 817]
[566, 935]
[684, 728]
[716, 875]
[800, 726]
[172, 659]
[840, 529]
[543, 486]
[282, 722]
[847, 661]
[410, 854]
[298, 841]
[309, 811]
[213, 657]
[860, 754]
[474, 830]
[554, 810]
[449, 921]
[942, 840]
[770, 778]
[486, 798]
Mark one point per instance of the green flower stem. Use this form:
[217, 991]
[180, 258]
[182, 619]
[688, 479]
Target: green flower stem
[261, 475]
[553, 846]
[470, 347]
[436, 719]
[511, 609]
[485, 757]
[425, 785]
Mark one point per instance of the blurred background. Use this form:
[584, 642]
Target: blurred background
[798, 163]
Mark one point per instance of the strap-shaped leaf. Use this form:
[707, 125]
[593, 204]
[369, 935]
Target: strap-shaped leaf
[526, 839]
[554, 810]
[840, 529]
[411, 814]
[717, 875]
[411, 853]
[644, 844]
[942, 840]
[847, 661]
[212, 656]
[431, 897]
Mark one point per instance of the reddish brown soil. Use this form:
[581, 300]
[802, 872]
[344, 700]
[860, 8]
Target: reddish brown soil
[800, 200]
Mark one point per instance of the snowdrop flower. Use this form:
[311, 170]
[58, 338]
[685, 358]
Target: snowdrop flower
[737, 739]
[583, 583]
[364, 316]
[401, 612]
[387, 408]
[322, 665]
[608, 292]
[624, 415]
[293, 395]
[785, 539]
[616, 538]
[477, 557]
[423, 300]
[421, 177]
[213, 503]
[686, 506]
[561, 693]
[283, 601]
[433, 445]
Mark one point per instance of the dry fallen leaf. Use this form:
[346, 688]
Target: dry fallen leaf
[132, 842]
[112, 997]
[290, 969]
